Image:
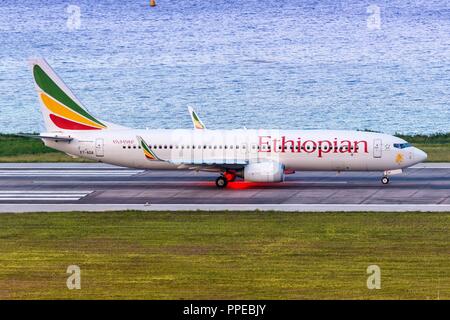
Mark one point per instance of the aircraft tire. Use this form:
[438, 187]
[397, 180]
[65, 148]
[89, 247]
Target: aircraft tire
[221, 182]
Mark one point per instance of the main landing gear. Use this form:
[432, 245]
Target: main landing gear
[222, 181]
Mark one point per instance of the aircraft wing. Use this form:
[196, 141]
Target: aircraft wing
[194, 164]
[198, 124]
[219, 165]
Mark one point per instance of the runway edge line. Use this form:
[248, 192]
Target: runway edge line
[19, 208]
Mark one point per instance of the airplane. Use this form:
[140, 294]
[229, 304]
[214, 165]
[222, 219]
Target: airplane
[257, 155]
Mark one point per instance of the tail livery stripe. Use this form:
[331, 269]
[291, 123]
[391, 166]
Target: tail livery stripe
[47, 85]
[149, 154]
[68, 124]
[63, 111]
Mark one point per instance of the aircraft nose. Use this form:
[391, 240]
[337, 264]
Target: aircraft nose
[419, 155]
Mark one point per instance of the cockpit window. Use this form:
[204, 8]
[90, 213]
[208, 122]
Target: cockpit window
[402, 145]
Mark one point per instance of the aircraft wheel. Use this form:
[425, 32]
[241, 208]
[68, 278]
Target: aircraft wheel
[385, 180]
[221, 182]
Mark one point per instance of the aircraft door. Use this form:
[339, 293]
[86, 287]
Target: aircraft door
[377, 148]
[99, 147]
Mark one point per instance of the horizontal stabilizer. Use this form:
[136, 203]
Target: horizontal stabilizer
[47, 136]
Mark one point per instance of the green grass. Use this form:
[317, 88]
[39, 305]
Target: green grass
[435, 152]
[12, 145]
[20, 149]
[220, 255]
[437, 138]
[437, 146]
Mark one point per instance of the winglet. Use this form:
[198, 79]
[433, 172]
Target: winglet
[149, 154]
[198, 124]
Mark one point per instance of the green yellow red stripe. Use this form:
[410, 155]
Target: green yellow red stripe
[53, 90]
[65, 112]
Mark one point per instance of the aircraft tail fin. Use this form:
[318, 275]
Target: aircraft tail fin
[60, 107]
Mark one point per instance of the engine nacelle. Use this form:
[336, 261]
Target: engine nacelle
[264, 172]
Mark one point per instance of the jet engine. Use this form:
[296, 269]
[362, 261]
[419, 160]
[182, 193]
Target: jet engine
[264, 172]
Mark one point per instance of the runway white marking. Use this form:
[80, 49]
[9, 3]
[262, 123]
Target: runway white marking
[87, 172]
[43, 192]
[341, 208]
[431, 165]
[47, 195]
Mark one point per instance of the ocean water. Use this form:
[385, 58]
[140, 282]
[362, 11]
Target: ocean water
[260, 64]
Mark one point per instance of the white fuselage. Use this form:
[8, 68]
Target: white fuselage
[332, 150]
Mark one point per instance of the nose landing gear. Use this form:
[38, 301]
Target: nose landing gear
[387, 173]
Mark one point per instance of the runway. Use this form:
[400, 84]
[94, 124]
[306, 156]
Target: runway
[99, 187]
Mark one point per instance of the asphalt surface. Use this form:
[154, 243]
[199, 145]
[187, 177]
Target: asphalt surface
[97, 187]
